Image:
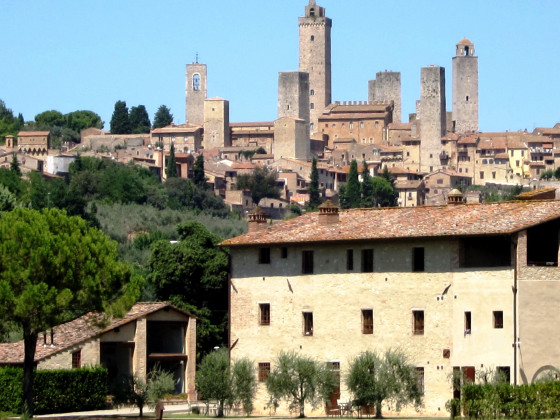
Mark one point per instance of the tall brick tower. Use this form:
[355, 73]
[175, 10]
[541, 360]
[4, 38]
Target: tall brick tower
[432, 116]
[195, 93]
[465, 88]
[315, 59]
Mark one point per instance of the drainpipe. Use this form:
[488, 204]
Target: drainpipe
[514, 290]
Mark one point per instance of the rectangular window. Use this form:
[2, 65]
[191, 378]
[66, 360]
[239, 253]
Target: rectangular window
[367, 260]
[418, 322]
[498, 318]
[307, 262]
[264, 313]
[284, 252]
[349, 259]
[367, 321]
[308, 323]
[264, 256]
[420, 379]
[264, 371]
[503, 373]
[76, 359]
[418, 259]
[468, 326]
[481, 174]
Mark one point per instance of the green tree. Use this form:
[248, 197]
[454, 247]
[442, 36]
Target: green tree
[14, 166]
[367, 187]
[352, 196]
[313, 187]
[139, 120]
[80, 120]
[374, 378]
[217, 380]
[54, 268]
[119, 120]
[171, 170]
[192, 274]
[199, 178]
[163, 117]
[50, 118]
[8, 200]
[8, 124]
[261, 182]
[384, 194]
[299, 380]
[547, 175]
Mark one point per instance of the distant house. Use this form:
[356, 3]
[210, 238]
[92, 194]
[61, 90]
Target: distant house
[149, 334]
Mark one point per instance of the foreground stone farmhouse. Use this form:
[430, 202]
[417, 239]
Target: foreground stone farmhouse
[149, 333]
[461, 288]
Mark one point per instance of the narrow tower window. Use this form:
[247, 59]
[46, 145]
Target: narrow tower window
[312, 37]
[196, 82]
[311, 12]
[466, 50]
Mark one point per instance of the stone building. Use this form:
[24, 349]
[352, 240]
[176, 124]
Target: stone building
[465, 88]
[195, 92]
[460, 288]
[216, 123]
[315, 59]
[386, 87]
[186, 138]
[33, 143]
[149, 334]
[291, 139]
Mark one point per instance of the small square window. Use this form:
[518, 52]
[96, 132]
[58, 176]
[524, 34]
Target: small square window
[420, 379]
[468, 325]
[76, 359]
[367, 321]
[308, 323]
[264, 371]
[307, 262]
[418, 259]
[367, 260]
[264, 313]
[284, 252]
[264, 256]
[349, 259]
[498, 319]
[418, 322]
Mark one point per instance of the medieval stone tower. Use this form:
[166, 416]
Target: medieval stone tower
[432, 116]
[465, 88]
[216, 123]
[387, 87]
[195, 93]
[315, 59]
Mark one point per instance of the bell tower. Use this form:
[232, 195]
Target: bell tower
[465, 88]
[195, 92]
[315, 59]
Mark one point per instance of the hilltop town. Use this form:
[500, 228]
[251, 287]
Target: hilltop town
[431, 153]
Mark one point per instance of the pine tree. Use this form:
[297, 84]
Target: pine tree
[163, 117]
[171, 170]
[139, 120]
[14, 166]
[119, 120]
[367, 187]
[313, 187]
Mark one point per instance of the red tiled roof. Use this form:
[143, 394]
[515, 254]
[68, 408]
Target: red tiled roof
[76, 331]
[406, 222]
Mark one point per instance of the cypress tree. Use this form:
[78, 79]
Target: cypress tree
[119, 120]
[313, 187]
[367, 187]
[198, 177]
[171, 170]
[353, 196]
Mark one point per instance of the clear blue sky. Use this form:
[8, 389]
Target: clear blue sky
[87, 54]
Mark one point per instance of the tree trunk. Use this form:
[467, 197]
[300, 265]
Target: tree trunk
[29, 342]
[220, 409]
[378, 414]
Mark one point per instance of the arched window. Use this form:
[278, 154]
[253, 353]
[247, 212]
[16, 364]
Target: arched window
[311, 92]
[311, 12]
[311, 106]
[196, 82]
[466, 50]
[312, 37]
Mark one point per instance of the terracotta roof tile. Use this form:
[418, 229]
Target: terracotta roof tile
[74, 332]
[406, 222]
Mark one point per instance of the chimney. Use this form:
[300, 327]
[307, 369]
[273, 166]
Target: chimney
[328, 213]
[257, 220]
[454, 197]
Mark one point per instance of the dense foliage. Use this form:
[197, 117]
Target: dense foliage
[9, 125]
[374, 379]
[57, 391]
[299, 380]
[313, 187]
[120, 123]
[163, 117]
[535, 401]
[139, 120]
[171, 170]
[378, 191]
[193, 275]
[229, 384]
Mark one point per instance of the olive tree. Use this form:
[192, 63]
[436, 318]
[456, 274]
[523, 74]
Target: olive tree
[299, 380]
[54, 268]
[375, 378]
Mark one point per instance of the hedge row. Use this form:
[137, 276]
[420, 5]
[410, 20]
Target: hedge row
[534, 401]
[55, 391]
